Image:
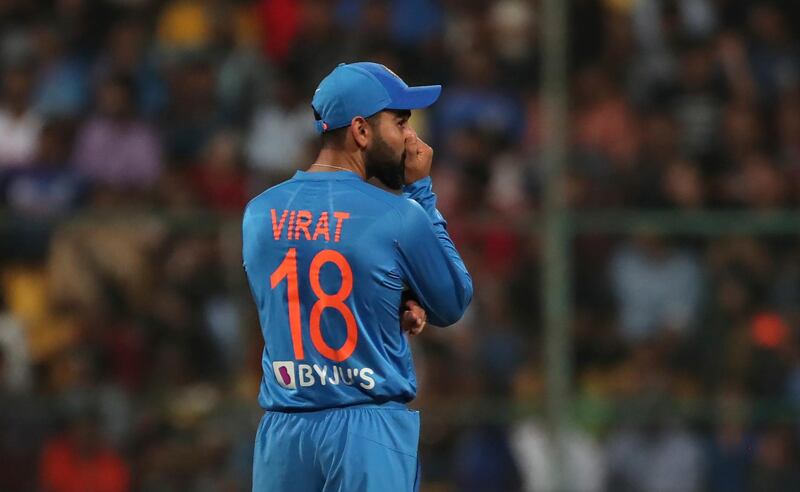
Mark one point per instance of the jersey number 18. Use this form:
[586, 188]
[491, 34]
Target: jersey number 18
[288, 270]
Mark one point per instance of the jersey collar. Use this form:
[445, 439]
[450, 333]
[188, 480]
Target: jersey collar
[326, 176]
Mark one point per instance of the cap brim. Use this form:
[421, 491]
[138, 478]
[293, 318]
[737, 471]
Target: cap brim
[416, 97]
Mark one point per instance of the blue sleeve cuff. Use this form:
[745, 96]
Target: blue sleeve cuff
[418, 188]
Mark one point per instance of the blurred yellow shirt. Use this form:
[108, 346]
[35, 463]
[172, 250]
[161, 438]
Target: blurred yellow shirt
[184, 24]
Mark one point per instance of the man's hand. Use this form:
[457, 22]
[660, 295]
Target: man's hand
[413, 319]
[419, 156]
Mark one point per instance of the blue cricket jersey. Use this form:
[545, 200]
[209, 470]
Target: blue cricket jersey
[328, 257]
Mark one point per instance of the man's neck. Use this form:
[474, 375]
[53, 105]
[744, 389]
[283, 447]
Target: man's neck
[330, 160]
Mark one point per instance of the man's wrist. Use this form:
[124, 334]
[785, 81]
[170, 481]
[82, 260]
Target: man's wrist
[418, 185]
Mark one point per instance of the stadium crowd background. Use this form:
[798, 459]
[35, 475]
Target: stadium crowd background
[133, 132]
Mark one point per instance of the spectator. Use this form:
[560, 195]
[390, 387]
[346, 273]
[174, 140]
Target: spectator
[776, 455]
[476, 101]
[584, 465]
[48, 187]
[483, 461]
[316, 49]
[15, 367]
[730, 452]
[80, 459]
[62, 79]
[115, 148]
[657, 287]
[192, 116]
[24, 418]
[281, 131]
[19, 123]
[219, 181]
[659, 455]
[184, 25]
[129, 52]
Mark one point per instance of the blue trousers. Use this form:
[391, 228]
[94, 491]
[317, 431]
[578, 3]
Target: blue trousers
[370, 448]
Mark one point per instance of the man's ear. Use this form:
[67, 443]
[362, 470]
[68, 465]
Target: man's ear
[361, 131]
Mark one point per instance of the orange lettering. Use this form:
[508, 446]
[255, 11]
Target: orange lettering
[322, 227]
[277, 227]
[340, 217]
[291, 225]
[303, 221]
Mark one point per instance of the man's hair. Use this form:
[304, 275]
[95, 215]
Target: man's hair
[335, 139]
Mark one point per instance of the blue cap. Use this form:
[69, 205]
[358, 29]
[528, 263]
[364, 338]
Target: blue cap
[363, 89]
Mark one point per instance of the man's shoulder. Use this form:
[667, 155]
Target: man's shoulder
[375, 196]
[264, 198]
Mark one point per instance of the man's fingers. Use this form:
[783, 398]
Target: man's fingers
[419, 156]
[425, 149]
[414, 318]
[412, 146]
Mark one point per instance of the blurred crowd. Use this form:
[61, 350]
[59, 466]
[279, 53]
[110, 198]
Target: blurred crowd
[133, 132]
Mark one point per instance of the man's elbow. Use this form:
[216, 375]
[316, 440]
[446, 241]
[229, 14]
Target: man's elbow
[456, 308]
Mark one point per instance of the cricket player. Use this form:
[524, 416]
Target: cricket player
[331, 261]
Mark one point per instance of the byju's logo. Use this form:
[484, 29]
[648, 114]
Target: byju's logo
[284, 373]
[308, 375]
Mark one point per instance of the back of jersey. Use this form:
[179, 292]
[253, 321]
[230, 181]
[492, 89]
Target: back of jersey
[320, 255]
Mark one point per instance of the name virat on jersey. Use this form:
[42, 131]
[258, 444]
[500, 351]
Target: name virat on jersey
[300, 225]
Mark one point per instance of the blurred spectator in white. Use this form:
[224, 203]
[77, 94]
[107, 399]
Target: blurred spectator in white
[19, 123]
[48, 187]
[657, 288]
[506, 191]
[281, 130]
[115, 148]
[584, 464]
[654, 63]
[514, 33]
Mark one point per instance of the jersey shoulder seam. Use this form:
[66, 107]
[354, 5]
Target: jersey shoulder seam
[279, 185]
[392, 201]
